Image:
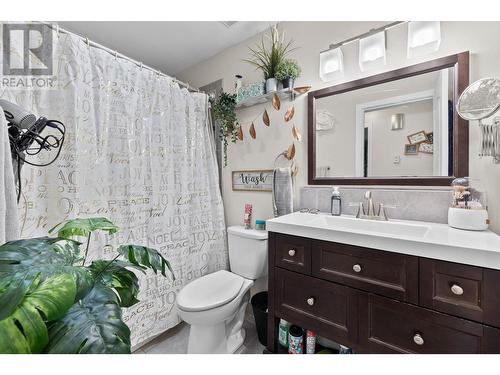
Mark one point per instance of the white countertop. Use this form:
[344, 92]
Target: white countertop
[423, 239]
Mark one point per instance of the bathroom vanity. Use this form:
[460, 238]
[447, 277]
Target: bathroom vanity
[385, 287]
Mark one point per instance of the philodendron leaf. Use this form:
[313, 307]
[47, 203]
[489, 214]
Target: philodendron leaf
[114, 275]
[38, 250]
[46, 257]
[91, 326]
[83, 227]
[146, 257]
[24, 330]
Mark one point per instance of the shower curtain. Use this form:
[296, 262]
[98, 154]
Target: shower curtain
[138, 150]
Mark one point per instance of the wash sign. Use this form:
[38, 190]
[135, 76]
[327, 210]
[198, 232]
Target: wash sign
[260, 180]
[27, 56]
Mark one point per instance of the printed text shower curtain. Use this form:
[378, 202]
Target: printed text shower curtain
[137, 151]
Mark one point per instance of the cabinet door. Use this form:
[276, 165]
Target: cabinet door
[388, 326]
[462, 290]
[329, 309]
[293, 253]
[389, 274]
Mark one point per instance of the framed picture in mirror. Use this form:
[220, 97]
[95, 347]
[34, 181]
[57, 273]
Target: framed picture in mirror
[417, 138]
[430, 137]
[425, 147]
[411, 149]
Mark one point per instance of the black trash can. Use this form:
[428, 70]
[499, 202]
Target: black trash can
[259, 306]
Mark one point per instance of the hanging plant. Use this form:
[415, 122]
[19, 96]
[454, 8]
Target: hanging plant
[224, 108]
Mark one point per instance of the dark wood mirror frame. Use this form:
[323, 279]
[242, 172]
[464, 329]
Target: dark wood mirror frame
[458, 61]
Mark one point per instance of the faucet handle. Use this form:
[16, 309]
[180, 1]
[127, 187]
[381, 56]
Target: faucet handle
[381, 210]
[368, 194]
[359, 205]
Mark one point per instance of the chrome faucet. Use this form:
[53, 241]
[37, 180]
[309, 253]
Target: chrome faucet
[366, 209]
[369, 202]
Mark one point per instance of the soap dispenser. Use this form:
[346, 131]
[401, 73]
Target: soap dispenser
[336, 204]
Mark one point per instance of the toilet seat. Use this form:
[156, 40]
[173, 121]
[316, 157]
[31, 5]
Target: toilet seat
[210, 291]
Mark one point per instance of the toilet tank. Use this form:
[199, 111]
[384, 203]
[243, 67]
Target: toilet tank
[247, 252]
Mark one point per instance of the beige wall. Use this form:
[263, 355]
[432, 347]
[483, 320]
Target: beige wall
[313, 37]
[388, 144]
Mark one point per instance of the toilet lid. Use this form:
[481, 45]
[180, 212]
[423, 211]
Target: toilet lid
[210, 291]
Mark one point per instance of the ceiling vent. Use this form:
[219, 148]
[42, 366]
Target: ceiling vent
[228, 24]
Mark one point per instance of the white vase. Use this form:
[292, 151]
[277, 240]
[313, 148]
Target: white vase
[461, 218]
[271, 85]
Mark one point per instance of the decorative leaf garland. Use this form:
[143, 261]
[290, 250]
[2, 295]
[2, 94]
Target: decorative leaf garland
[288, 116]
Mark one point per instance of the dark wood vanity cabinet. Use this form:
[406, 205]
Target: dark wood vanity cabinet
[389, 274]
[466, 291]
[293, 253]
[382, 302]
[390, 326]
[317, 304]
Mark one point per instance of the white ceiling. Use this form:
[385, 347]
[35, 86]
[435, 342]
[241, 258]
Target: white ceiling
[169, 46]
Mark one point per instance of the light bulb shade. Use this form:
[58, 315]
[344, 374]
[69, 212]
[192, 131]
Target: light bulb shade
[424, 37]
[372, 51]
[331, 64]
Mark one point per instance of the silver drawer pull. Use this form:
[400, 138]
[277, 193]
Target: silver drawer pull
[310, 301]
[457, 289]
[356, 268]
[419, 340]
[291, 252]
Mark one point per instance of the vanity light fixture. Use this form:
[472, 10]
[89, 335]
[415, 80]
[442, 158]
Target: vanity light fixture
[372, 51]
[372, 48]
[424, 37]
[331, 64]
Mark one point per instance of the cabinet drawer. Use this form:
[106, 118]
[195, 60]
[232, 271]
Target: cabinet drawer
[388, 326]
[466, 291]
[293, 253]
[389, 274]
[326, 308]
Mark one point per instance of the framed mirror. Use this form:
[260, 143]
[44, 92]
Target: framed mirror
[395, 128]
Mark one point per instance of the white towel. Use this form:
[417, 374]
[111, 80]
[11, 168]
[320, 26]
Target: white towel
[9, 222]
[282, 191]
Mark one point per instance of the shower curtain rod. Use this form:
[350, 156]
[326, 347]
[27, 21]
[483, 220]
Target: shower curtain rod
[55, 26]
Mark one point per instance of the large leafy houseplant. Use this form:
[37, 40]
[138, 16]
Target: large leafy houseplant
[51, 302]
[224, 109]
[267, 56]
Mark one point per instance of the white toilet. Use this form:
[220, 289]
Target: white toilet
[214, 305]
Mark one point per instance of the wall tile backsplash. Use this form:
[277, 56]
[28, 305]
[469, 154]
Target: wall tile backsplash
[428, 204]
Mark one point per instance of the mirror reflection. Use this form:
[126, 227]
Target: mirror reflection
[397, 128]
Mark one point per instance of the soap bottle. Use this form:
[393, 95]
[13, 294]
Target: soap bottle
[336, 204]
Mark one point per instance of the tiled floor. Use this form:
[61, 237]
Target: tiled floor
[175, 340]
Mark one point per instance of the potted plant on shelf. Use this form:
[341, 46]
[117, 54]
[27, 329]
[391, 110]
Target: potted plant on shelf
[268, 56]
[52, 302]
[287, 72]
[224, 109]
